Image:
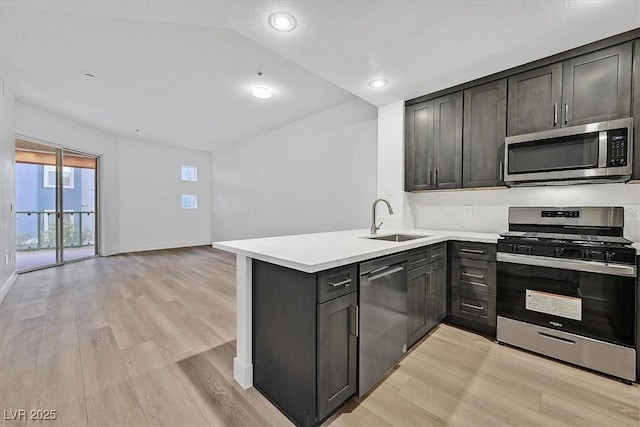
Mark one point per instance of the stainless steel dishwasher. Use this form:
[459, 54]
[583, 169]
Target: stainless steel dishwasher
[383, 318]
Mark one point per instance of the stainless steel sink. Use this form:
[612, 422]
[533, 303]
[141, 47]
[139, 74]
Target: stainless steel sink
[396, 237]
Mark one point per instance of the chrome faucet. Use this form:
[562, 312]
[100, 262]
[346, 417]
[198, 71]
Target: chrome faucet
[374, 227]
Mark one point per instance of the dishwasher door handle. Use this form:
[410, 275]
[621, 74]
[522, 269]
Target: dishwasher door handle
[388, 271]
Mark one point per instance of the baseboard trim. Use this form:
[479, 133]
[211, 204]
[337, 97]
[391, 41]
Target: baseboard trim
[161, 246]
[7, 285]
[243, 373]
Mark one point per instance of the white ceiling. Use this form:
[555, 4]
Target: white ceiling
[181, 71]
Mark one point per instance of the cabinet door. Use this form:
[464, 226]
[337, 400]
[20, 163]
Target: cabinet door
[535, 100]
[484, 133]
[337, 346]
[437, 293]
[597, 86]
[418, 282]
[636, 128]
[418, 157]
[447, 141]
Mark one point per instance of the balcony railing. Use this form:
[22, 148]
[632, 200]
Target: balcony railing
[36, 230]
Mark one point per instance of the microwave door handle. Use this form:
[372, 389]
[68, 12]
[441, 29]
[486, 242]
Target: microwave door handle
[602, 149]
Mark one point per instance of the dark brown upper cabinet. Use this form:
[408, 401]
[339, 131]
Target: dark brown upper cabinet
[485, 110]
[534, 100]
[585, 89]
[433, 144]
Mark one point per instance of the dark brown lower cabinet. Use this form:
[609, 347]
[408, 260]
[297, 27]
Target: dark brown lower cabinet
[426, 294]
[337, 352]
[305, 339]
[472, 290]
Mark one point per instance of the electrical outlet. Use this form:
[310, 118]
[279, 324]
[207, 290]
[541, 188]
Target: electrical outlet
[468, 210]
[633, 212]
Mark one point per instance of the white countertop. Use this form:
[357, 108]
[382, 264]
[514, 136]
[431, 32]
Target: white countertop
[320, 251]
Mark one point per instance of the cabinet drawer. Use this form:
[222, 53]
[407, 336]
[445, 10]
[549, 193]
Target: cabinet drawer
[425, 255]
[337, 282]
[473, 274]
[438, 252]
[473, 250]
[475, 306]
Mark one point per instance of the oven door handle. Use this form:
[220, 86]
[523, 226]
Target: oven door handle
[568, 264]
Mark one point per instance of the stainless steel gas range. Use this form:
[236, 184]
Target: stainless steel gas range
[566, 287]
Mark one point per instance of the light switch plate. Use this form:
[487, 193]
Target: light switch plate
[468, 210]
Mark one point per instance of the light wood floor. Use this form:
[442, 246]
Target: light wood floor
[149, 338]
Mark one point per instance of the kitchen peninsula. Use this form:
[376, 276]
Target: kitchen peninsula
[310, 254]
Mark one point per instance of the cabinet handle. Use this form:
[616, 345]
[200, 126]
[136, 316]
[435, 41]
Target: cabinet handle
[429, 184]
[501, 171]
[354, 310]
[477, 283]
[344, 283]
[476, 307]
[475, 276]
[472, 251]
[430, 283]
[566, 112]
[436, 180]
[555, 114]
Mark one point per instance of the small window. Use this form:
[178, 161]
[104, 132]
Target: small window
[189, 173]
[50, 177]
[189, 201]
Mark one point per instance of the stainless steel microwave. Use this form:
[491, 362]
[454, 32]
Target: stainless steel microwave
[597, 152]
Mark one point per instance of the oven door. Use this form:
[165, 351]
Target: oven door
[591, 299]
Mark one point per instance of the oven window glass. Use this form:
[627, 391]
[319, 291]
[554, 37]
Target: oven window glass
[598, 306]
[555, 154]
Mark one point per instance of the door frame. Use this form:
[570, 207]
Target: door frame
[59, 200]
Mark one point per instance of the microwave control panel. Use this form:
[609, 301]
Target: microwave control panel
[617, 148]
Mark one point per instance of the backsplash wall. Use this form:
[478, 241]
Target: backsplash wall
[487, 210]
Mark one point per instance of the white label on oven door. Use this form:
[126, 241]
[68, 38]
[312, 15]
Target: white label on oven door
[556, 305]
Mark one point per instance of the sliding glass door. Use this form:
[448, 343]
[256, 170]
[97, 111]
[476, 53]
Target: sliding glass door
[56, 193]
[79, 206]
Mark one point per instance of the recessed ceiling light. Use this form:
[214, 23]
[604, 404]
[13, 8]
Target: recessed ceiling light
[378, 83]
[261, 92]
[282, 21]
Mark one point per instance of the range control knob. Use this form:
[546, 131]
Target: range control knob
[530, 249]
[558, 252]
[587, 254]
[608, 256]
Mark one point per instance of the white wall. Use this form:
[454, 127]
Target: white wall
[150, 197]
[140, 184]
[7, 189]
[48, 128]
[316, 174]
[489, 213]
[391, 165]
